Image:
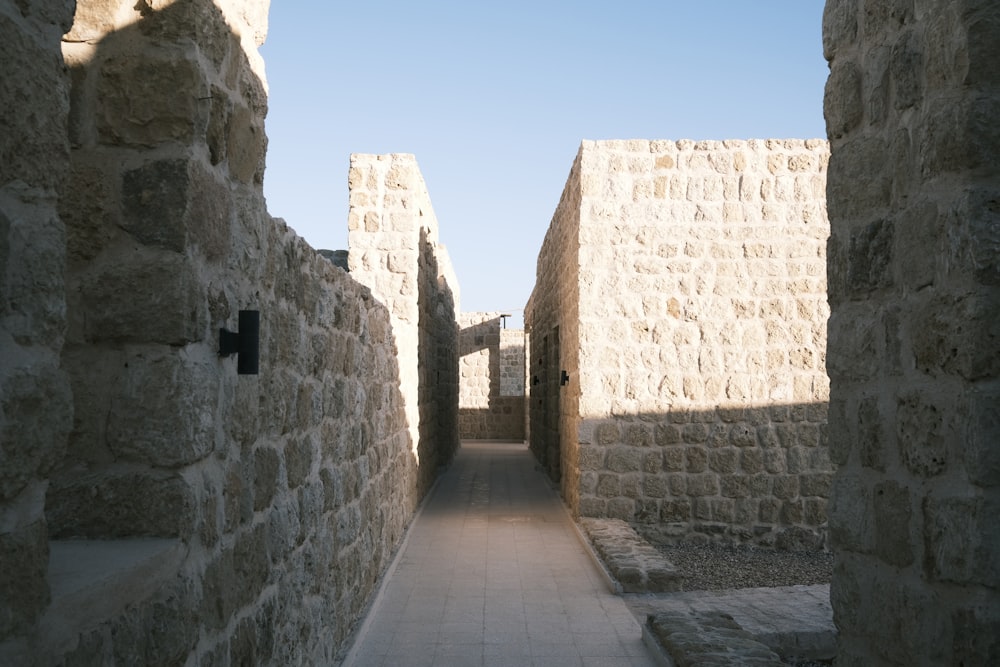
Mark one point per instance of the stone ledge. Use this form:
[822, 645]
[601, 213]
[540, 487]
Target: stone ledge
[705, 639]
[94, 580]
[636, 564]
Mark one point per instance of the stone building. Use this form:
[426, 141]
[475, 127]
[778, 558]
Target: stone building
[492, 389]
[679, 334]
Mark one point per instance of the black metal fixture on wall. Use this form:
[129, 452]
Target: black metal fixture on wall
[564, 380]
[245, 344]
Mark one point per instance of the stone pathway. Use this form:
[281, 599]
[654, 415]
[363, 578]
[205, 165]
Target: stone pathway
[493, 572]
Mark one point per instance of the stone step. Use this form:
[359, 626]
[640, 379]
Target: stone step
[705, 639]
[634, 563]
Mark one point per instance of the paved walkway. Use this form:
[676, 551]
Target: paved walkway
[493, 573]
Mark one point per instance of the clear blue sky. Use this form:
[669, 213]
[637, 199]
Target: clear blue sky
[494, 99]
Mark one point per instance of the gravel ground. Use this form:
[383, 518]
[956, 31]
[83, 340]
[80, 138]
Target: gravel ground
[713, 567]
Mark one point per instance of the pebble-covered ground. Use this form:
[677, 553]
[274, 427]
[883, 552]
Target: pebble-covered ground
[711, 567]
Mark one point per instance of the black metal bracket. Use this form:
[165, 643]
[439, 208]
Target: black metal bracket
[245, 344]
[564, 379]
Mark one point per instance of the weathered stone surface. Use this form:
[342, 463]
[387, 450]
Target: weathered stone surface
[708, 639]
[146, 298]
[34, 148]
[36, 411]
[162, 413]
[913, 329]
[138, 105]
[636, 565]
[120, 502]
[24, 589]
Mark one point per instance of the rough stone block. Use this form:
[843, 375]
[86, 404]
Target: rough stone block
[638, 435]
[675, 510]
[32, 249]
[144, 299]
[246, 145]
[24, 589]
[621, 508]
[976, 637]
[893, 543]
[859, 186]
[121, 501]
[673, 459]
[851, 510]
[163, 413]
[34, 153]
[952, 335]
[704, 484]
[298, 460]
[752, 460]
[608, 485]
[697, 459]
[961, 543]
[982, 453]
[923, 431]
[843, 106]
[267, 467]
[624, 459]
[734, 486]
[724, 461]
[138, 104]
[786, 486]
[162, 631]
[815, 484]
[855, 357]
[37, 408]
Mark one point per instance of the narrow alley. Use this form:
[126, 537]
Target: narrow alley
[492, 572]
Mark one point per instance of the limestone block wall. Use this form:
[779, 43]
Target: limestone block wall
[911, 108]
[512, 356]
[35, 404]
[249, 516]
[702, 335]
[491, 399]
[394, 250]
[552, 318]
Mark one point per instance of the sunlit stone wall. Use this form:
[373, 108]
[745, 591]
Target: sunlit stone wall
[394, 250]
[491, 398]
[700, 366]
[912, 104]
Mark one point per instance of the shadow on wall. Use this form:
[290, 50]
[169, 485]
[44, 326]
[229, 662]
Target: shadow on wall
[437, 361]
[489, 408]
[749, 474]
[282, 495]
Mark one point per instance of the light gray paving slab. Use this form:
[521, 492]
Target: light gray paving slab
[492, 572]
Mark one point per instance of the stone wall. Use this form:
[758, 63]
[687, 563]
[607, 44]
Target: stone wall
[35, 404]
[196, 515]
[552, 318]
[701, 343]
[394, 249]
[911, 107]
[491, 398]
